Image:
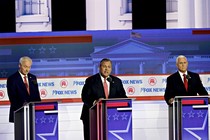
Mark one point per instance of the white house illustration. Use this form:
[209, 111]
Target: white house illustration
[33, 15]
[132, 57]
[188, 13]
[129, 56]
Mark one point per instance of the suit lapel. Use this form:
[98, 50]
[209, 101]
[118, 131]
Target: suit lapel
[189, 81]
[99, 85]
[180, 81]
[21, 83]
[112, 88]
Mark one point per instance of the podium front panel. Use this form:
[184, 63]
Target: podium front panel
[191, 119]
[37, 121]
[111, 119]
[119, 119]
[46, 121]
[195, 119]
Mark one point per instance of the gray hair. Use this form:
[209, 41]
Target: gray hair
[180, 56]
[25, 58]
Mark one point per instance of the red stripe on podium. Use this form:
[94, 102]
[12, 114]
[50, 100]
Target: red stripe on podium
[44, 107]
[200, 32]
[119, 104]
[193, 102]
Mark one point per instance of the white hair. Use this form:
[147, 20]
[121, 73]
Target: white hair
[24, 58]
[180, 56]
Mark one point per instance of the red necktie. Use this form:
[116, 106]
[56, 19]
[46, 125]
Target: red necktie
[106, 88]
[26, 84]
[185, 82]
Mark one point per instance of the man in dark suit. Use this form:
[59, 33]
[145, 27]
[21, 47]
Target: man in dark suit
[182, 83]
[94, 90]
[175, 82]
[22, 87]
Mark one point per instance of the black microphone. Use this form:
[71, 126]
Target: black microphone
[109, 79]
[188, 77]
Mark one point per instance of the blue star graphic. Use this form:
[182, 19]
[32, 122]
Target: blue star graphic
[51, 119]
[183, 115]
[4, 73]
[43, 119]
[52, 49]
[115, 116]
[124, 116]
[117, 132]
[200, 114]
[191, 114]
[42, 50]
[108, 117]
[36, 121]
[31, 50]
[192, 129]
[43, 135]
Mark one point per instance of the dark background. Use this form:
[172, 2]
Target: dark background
[71, 15]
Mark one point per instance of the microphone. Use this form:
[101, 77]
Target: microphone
[188, 77]
[109, 79]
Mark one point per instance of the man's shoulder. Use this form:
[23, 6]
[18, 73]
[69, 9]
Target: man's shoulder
[92, 77]
[115, 78]
[192, 73]
[31, 75]
[14, 75]
[173, 75]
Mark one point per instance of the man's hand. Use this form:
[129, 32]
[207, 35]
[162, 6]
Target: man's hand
[170, 101]
[96, 101]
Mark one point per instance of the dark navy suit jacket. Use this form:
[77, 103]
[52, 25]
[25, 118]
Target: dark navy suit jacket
[93, 90]
[18, 94]
[175, 86]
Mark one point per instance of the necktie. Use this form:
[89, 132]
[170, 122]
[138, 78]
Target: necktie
[185, 82]
[26, 84]
[106, 88]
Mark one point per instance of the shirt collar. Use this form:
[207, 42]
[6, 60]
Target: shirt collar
[22, 74]
[181, 74]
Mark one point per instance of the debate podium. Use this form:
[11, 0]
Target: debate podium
[190, 118]
[111, 119]
[36, 121]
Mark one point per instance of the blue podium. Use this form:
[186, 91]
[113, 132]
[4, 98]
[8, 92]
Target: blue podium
[190, 118]
[37, 121]
[111, 119]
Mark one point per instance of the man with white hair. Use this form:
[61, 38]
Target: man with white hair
[181, 83]
[22, 87]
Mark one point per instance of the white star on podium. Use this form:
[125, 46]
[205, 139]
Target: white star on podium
[115, 132]
[43, 135]
[190, 130]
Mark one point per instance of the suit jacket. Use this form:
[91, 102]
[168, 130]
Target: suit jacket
[18, 94]
[93, 90]
[175, 86]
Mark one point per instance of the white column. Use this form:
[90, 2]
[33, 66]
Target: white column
[116, 67]
[164, 68]
[201, 16]
[95, 68]
[123, 9]
[186, 14]
[96, 17]
[208, 13]
[141, 69]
